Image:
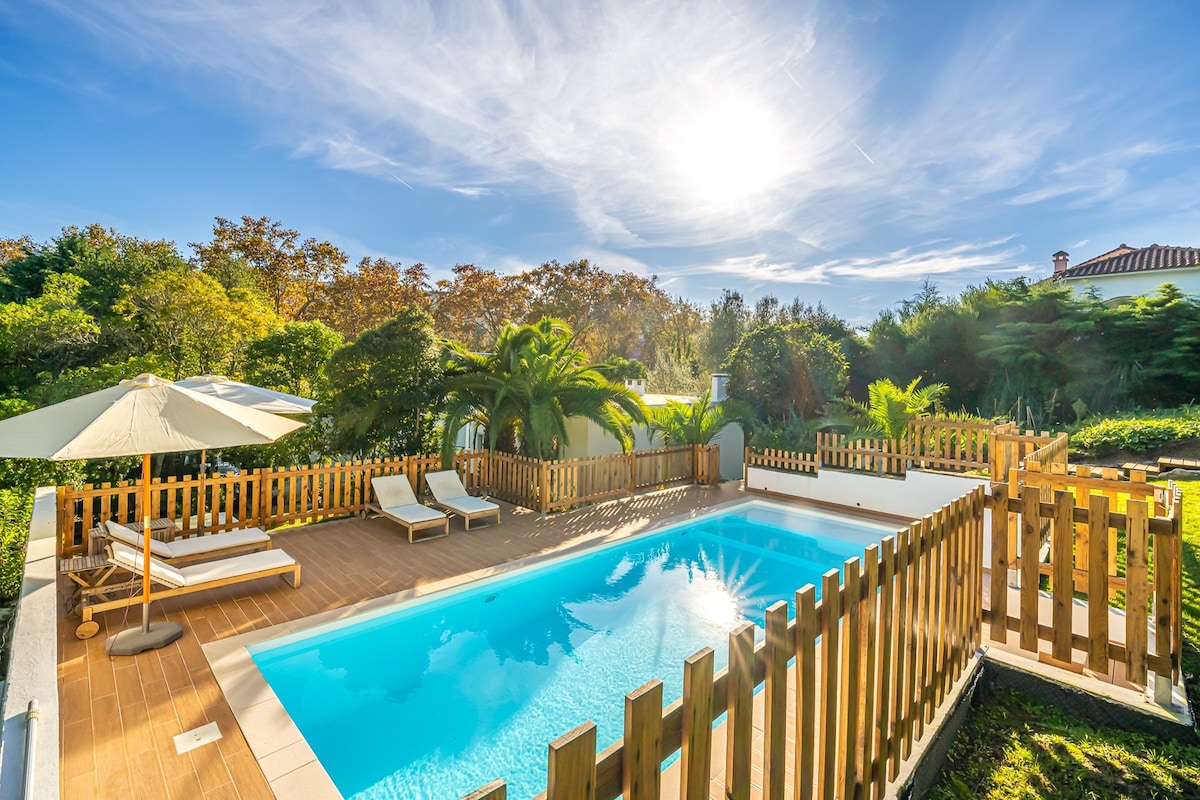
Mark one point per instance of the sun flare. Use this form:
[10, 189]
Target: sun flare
[728, 151]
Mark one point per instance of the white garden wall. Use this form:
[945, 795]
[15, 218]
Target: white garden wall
[913, 496]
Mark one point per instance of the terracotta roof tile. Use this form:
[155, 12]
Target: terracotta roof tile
[1128, 259]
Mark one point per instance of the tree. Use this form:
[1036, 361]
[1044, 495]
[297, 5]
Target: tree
[612, 313]
[293, 358]
[195, 325]
[526, 389]
[371, 294]
[785, 372]
[292, 274]
[380, 389]
[728, 318]
[47, 333]
[474, 307]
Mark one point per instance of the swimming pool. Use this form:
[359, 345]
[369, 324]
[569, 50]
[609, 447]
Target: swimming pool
[436, 697]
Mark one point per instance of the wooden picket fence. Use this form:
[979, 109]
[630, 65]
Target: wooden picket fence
[946, 445]
[560, 485]
[271, 498]
[1086, 521]
[882, 456]
[875, 657]
[1010, 449]
[786, 460]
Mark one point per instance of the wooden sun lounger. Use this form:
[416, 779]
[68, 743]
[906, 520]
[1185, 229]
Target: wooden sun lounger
[398, 503]
[449, 493]
[173, 581]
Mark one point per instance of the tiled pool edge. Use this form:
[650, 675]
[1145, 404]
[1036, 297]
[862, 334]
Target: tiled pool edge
[287, 761]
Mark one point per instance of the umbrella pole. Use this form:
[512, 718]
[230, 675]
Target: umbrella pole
[146, 543]
[132, 641]
[200, 492]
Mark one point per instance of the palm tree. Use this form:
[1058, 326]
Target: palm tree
[526, 389]
[688, 423]
[890, 408]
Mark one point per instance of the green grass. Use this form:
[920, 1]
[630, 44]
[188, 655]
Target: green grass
[1014, 747]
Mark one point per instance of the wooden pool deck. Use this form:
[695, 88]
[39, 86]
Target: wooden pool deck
[119, 715]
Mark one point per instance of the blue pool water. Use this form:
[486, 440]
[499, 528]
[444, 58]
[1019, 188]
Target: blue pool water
[433, 698]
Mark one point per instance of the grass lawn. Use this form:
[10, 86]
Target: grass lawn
[1013, 747]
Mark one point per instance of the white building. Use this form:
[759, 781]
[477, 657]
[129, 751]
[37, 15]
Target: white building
[587, 439]
[1129, 272]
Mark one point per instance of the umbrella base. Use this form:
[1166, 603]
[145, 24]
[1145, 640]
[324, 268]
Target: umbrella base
[132, 641]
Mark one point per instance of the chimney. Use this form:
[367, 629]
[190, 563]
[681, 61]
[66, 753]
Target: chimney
[1061, 260]
[719, 379]
[637, 384]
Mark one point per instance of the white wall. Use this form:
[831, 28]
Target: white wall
[913, 496]
[33, 662]
[732, 440]
[1132, 284]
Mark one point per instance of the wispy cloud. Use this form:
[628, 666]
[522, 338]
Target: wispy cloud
[964, 261]
[772, 133]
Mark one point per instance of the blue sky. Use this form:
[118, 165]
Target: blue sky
[839, 152]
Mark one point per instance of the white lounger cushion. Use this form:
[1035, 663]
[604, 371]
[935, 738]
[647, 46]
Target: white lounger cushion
[445, 486]
[235, 565]
[393, 491]
[133, 538]
[197, 545]
[125, 556]
[468, 505]
[413, 514]
[176, 577]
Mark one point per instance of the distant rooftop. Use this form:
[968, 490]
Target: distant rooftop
[1130, 259]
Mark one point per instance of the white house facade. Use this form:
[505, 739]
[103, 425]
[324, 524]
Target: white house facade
[1129, 272]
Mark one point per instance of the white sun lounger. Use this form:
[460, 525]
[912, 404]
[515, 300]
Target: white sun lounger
[449, 493]
[172, 581]
[398, 503]
[214, 544]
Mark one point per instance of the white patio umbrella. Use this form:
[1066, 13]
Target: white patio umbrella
[245, 394]
[139, 416]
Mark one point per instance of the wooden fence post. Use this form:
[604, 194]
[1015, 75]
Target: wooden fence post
[572, 765]
[264, 510]
[641, 762]
[739, 723]
[695, 760]
[543, 486]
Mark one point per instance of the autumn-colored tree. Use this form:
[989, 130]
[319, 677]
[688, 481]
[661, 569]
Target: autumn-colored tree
[12, 249]
[474, 307]
[292, 274]
[371, 294]
[194, 324]
[613, 313]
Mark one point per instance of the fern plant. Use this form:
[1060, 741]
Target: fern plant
[889, 408]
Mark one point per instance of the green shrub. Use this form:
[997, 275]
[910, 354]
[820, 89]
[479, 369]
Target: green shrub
[16, 507]
[1138, 434]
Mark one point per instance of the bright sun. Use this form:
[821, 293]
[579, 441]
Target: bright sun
[728, 151]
